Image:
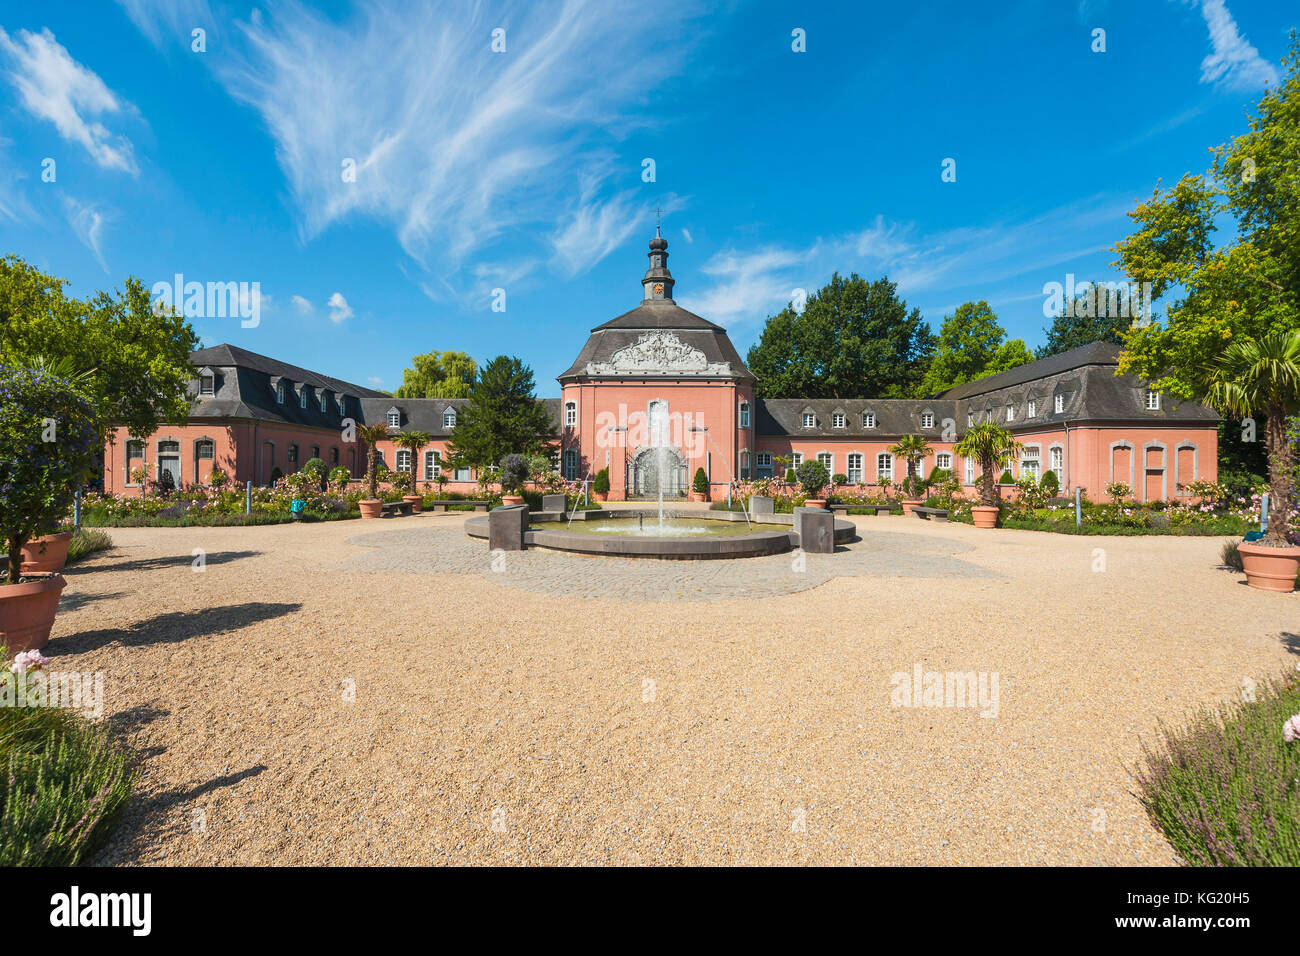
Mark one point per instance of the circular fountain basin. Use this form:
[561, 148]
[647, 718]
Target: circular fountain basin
[634, 534]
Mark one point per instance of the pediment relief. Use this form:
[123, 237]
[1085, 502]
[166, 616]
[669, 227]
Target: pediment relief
[658, 353]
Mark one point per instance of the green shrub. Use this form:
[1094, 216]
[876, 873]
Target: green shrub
[789, 476]
[63, 782]
[701, 483]
[1223, 789]
[217, 478]
[840, 479]
[601, 484]
[276, 475]
[1007, 478]
[1051, 485]
[812, 477]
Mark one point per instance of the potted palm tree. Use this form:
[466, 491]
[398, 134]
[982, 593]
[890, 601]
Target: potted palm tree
[413, 442]
[993, 447]
[912, 449]
[1262, 376]
[52, 436]
[813, 479]
[372, 435]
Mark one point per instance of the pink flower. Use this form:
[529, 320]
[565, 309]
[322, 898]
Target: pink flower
[28, 660]
[1291, 729]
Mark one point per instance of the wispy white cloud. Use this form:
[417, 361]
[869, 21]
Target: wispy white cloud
[55, 87]
[302, 305]
[339, 308]
[13, 204]
[686, 234]
[168, 21]
[1234, 63]
[87, 223]
[455, 146]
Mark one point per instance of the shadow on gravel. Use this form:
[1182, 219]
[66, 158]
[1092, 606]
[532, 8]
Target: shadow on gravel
[75, 602]
[1292, 642]
[174, 627]
[169, 797]
[167, 561]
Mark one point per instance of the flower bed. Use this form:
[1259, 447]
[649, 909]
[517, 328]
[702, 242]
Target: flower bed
[209, 505]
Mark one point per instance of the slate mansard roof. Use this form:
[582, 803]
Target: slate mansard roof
[1084, 377]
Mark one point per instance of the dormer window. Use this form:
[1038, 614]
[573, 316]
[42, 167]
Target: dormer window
[970, 419]
[570, 414]
[302, 397]
[809, 420]
[324, 402]
[1153, 401]
[927, 419]
[1033, 407]
[343, 404]
[394, 418]
[449, 418]
[1011, 413]
[207, 382]
[1059, 405]
[837, 420]
[988, 414]
[868, 419]
[279, 392]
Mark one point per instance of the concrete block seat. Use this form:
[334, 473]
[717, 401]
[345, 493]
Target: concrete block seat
[938, 514]
[397, 507]
[441, 504]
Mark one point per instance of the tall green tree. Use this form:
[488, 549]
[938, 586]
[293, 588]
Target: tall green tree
[854, 338]
[135, 360]
[1095, 315]
[502, 416]
[1246, 288]
[972, 344]
[438, 375]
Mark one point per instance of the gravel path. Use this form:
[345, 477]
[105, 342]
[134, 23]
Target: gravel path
[330, 693]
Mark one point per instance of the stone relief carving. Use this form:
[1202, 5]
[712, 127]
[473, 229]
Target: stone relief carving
[659, 353]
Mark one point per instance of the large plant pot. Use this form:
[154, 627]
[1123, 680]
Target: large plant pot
[911, 503]
[512, 499]
[986, 516]
[27, 612]
[814, 503]
[601, 496]
[415, 501]
[371, 507]
[47, 553]
[698, 496]
[1269, 569]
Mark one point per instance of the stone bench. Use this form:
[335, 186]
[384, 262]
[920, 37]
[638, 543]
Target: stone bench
[440, 504]
[938, 514]
[398, 507]
[869, 509]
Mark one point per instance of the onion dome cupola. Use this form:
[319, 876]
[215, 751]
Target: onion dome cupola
[658, 281]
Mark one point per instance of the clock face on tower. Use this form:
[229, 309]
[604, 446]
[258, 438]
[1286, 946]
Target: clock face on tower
[659, 288]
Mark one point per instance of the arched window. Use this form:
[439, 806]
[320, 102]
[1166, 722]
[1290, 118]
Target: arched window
[279, 392]
[334, 455]
[291, 454]
[432, 465]
[884, 467]
[315, 451]
[404, 459]
[324, 402]
[571, 464]
[854, 472]
[302, 397]
[828, 461]
[570, 414]
[744, 414]
[744, 465]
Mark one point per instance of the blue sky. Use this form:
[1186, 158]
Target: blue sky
[522, 170]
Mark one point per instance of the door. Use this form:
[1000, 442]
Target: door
[169, 462]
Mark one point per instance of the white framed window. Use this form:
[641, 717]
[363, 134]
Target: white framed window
[988, 414]
[1033, 407]
[324, 402]
[854, 471]
[571, 464]
[403, 459]
[970, 419]
[796, 459]
[1030, 461]
[943, 460]
[1059, 404]
[868, 419]
[207, 383]
[828, 461]
[744, 414]
[570, 414]
[394, 418]
[927, 419]
[1153, 401]
[744, 464]
[1056, 461]
[1011, 413]
[763, 464]
[302, 397]
[279, 393]
[970, 471]
[809, 420]
[838, 420]
[432, 464]
[342, 401]
[449, 418]
[884, 466]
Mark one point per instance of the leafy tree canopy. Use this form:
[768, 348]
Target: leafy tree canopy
[135, 361]
[854, 338]
[1246, 288]
[502, 416]
[972, 344]
[438, 375]
[1100, 313]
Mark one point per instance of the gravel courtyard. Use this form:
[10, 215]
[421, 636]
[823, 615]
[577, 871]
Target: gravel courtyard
[377, 692]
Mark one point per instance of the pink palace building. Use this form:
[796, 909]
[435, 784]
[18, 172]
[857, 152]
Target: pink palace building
[661, 384]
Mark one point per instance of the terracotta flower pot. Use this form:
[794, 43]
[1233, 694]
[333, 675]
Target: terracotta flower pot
[415, 501]
[371, 507]
[27, 612]
[814, 503]
[698, 496]
[512, 499]
[910, 503]
[986, 516]
[47, 553]
[601, 496]
[1269, 569]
